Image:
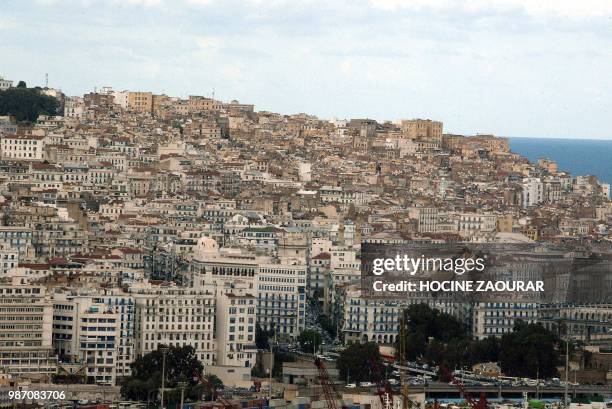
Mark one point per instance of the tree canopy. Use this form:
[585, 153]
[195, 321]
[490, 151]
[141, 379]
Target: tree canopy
[358, 362]
[327, 324]
[181, 365]
[529, 351]
[309, 340]
[25, 104]
[262, 337]
[440, 339]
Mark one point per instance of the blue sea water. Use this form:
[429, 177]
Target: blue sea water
[577, 156]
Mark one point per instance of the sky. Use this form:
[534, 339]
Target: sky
[533, 68]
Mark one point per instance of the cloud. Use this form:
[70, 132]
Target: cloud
[7, 23]
[208, 42]
[475, 64]
[570, 9]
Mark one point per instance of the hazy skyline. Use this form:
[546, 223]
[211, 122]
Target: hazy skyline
[509, 67]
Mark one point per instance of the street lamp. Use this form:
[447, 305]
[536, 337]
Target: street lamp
[182, 385]
[164, 351]
[272, 360]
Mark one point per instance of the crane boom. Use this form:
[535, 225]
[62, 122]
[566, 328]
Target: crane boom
[384, 390]
[326, 384]
[211, 388]
[480, 404]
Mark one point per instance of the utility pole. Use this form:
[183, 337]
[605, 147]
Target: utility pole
[163, 383]
[182, 385]
[566, 362]
[271, 364]
[538, 383]
[402, 360]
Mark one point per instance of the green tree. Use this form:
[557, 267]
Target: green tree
[432, 323]
[529, 351]
[262, 337]
[357, 362]
[327, 324]
[217, 384]
[438, 338]
[424, 325]
[416, 346]
[181, 366]
[486, 350]
[25, 104]
[309, 340]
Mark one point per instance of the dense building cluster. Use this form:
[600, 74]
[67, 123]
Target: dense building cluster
[136, 220]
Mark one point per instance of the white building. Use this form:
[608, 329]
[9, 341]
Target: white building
[86, 332]
[176, 317]
[470, 223]
[124, 306]
[7, 125]
[279, 289]
[9, 259]
[368, 320]
[281, 299]
[18, 238]
[121, 98]
[498, 318]
[5, 84]
[533, 192]
[26, 315]
[305, 171]
[331, 194]
[235, 332]
[74, 108]
[19, 146]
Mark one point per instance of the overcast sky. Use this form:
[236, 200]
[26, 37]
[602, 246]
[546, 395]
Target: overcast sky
[511, 67]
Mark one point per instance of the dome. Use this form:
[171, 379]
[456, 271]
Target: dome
[206, 246]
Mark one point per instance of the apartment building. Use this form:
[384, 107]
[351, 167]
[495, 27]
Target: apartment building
[198, 103]
[17, 238]
[281, 299]
[533, 192]
[498, 318]
[235, 328]
[9, 259]
[176, 317]
[140, 102]
[424, 130]
[22, 146]
[26, 319]
[86, 333]
[584, 322]
[370, 320]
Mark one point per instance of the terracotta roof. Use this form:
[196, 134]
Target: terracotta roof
[322, 256]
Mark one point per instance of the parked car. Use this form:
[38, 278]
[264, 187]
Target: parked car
[351, 385]
[366, 384]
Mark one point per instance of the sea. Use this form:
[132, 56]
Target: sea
[579, 157]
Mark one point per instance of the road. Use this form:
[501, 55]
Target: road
[440, 388]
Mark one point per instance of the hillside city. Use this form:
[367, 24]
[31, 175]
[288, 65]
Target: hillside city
[132, 220]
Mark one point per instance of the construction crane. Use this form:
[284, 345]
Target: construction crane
[328, 387]
[406, 402]
[385, 392]
[480, 404]
[211, 388]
